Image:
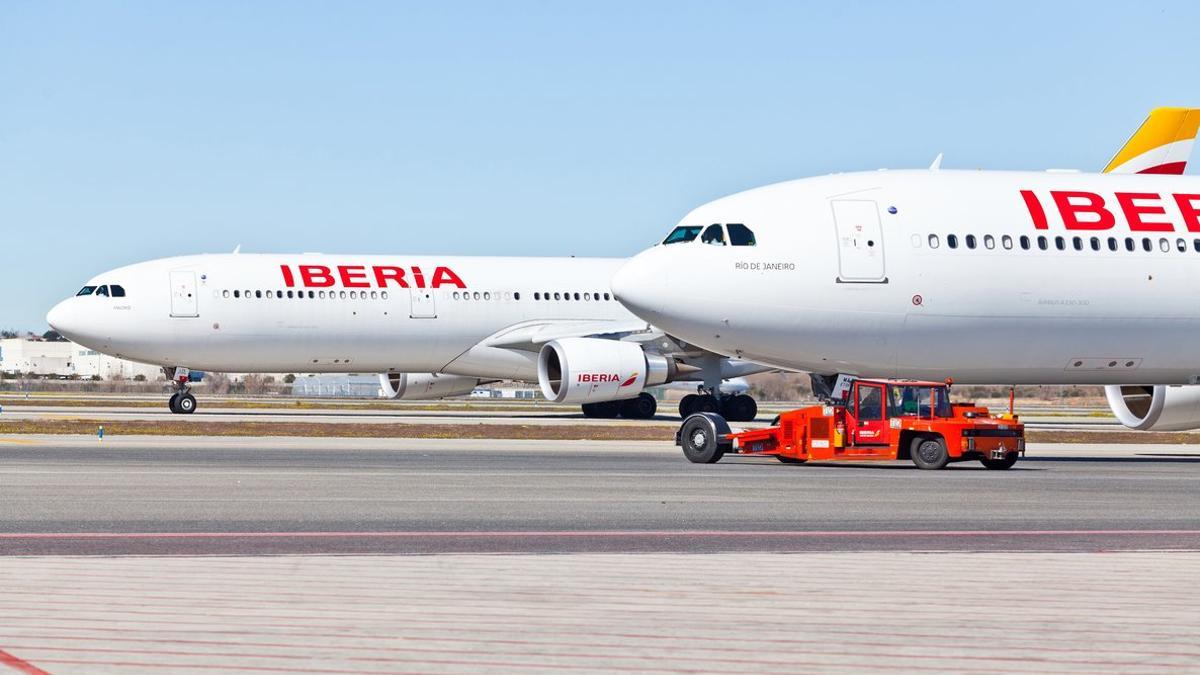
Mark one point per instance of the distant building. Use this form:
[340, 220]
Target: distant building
[40, 358]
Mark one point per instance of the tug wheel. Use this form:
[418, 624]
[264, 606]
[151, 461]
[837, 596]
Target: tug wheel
[929, 452]
[701, 438]
[1000, 464]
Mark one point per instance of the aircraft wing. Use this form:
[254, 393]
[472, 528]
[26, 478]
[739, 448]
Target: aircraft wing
[531, 336]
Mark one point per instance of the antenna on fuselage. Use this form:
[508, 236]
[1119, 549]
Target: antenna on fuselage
[237, 249]
[937, 163]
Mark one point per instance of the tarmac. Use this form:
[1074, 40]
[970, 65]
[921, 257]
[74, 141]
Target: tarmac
[412, 555]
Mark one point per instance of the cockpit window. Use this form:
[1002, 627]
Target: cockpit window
[117, 291]
[86, 290]
[713, 234]
[682, 234]
[103, 290]
[740, 235]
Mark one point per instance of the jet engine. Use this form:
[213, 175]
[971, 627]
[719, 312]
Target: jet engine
[420, 386]
[1155, 408]
[588, 370]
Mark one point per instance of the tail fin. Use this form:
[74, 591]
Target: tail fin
[1162, 144]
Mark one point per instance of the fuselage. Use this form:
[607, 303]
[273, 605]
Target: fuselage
[336, 313]
[985, 277]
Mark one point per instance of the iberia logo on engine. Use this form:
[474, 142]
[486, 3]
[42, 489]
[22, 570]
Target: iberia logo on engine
[601, 378]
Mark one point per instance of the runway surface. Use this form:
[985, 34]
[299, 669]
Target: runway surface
[250, 496]
[404, 555]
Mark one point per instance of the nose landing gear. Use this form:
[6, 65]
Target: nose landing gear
[182, 402]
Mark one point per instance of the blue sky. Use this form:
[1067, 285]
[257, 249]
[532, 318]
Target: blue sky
[132, 131]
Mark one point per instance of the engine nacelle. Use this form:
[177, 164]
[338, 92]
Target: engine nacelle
[590, 370]
[1155, 408]
[420, 386]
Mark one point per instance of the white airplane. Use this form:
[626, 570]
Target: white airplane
[431, 326]
[1053, 277]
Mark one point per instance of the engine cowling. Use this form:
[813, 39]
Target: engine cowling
[421, 386]
[1155, 408]
[590, 370]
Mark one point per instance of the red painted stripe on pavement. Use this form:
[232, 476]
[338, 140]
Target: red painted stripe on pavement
[21, 665]
[587, 533]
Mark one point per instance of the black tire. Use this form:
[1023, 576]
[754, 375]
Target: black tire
[685, 406]
[641, 408]
[706, 404]
[186, 404]
[790, 460]
[739, 408]
[929, 452]
[1000, 464]
[700, 438]
[593, 410]
[173, 404]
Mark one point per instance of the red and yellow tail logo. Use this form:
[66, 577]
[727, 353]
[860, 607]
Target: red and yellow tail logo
[1161, 145]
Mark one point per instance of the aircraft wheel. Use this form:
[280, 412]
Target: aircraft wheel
[700, 437]
[706, 404]
[641, 408]
[602, 410]
[686, 404]
[929, 452]
[173, 404]
[186, 404]
[1000, 464]
[739, 408]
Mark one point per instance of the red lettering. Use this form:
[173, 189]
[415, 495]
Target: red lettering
[353, 276]
[1190, 210]
[1094, 205]
[288, 280]
[316, 276]
[386, 273]
[444, 276]
[1035, 209]
[418, 276]
[1134, 212]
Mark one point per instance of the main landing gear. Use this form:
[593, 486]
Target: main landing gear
[182, 402]
[735, 408]
[642, 407]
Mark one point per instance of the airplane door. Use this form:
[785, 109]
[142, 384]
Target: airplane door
[423, 305]
[859, 241]
[183, 294]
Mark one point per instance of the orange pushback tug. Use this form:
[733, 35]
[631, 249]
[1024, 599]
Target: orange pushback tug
[875, 419]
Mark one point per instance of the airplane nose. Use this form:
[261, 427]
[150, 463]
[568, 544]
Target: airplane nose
[60, 319]
[639, 283]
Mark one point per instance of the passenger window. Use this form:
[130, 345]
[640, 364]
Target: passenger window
[1179, 243]
[682, 234]
[933, 241]
[1095, 243]
[1043, 243]
[119, 291]
[1007, 242]
[516, 295]
[383, 295]
[1024, 242]
[342, 295]
[1164, 245]
[353, 295]
[606, 296]
[1112, 244]
[1146, 245]
[1129, 245]
[258, 294]
[88, 290]
[952, 240]
[714, 235]
[1196, 243]
[487, 295]
[970, 241]
[576, 296]
[1077, 242]
[311, 295]
[374, 295]
[1060, 243]
[989, 242]
[237, 294]
[740, 235]
[224, 294]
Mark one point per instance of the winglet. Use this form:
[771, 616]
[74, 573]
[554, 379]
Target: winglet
[1161, 145]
